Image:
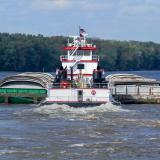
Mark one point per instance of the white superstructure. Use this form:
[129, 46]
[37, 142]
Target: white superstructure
[79, 52]
[79, 80]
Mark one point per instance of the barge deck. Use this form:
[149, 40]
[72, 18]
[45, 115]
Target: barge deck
[130, 89]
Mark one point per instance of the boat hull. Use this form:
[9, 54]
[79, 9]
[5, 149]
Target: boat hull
[76, 104]
[78, 97]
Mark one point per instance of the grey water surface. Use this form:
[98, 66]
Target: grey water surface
[59, 132]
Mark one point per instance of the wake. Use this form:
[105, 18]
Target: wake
[53, 108]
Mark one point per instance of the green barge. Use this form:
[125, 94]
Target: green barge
[25, 88]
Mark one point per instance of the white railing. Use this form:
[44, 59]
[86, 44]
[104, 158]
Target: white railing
[95, 57]
[136, 90]
[80, 85]
[65, 57]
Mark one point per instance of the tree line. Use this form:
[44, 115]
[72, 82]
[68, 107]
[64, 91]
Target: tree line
[20, 52]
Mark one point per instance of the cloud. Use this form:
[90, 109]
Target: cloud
[138, 8]
[51, 4]
[95, 5]
[89, 5]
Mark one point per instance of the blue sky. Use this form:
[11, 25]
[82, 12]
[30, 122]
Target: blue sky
[106, 19]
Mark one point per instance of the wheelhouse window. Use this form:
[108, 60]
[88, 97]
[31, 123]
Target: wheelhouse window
[80, 66]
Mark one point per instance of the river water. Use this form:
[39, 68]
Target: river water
[59, 132]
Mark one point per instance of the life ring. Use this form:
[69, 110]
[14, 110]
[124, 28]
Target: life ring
[93, 92]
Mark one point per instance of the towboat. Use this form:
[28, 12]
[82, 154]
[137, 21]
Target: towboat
[79, 81]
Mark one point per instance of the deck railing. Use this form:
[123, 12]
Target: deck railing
[95, 57]
[136, 90]
[80, 85]
[65, 57]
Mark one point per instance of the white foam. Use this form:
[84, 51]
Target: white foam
[5, 151]
[78, 145]
[72, 113]
[48, 109]
[153, 138]
[100, 143]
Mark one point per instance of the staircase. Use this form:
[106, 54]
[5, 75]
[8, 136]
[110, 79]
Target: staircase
[77, 58]
[74, 51]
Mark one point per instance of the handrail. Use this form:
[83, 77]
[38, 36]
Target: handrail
[74, 51]
[80, 85]
[65, 57]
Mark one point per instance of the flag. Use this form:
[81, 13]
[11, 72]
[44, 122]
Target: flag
[82, 32]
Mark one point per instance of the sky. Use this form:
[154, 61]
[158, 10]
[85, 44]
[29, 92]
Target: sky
[106, 19]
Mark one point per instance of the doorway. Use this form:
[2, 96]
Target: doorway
[80, 95]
